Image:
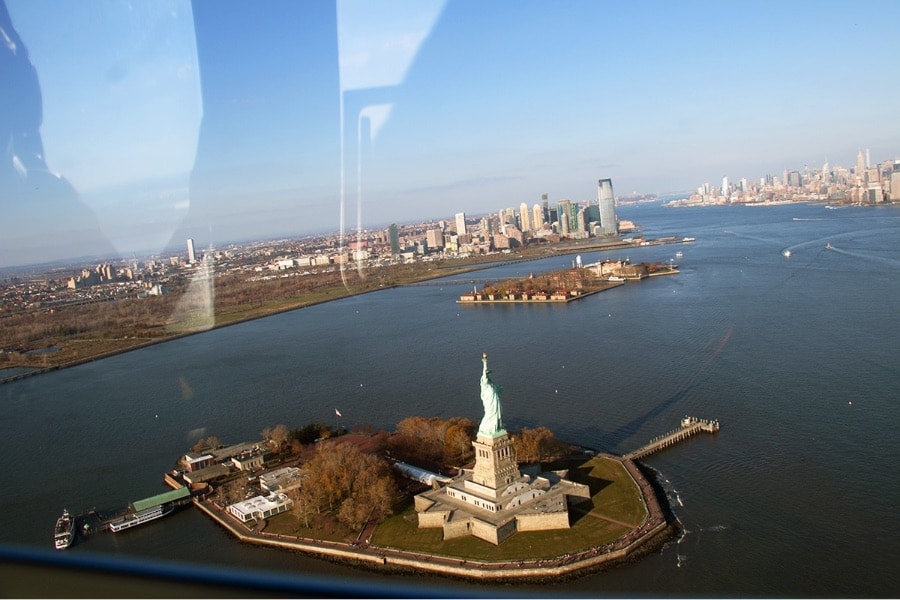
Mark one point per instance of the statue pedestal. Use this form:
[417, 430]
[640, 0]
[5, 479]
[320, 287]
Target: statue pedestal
[495, 461]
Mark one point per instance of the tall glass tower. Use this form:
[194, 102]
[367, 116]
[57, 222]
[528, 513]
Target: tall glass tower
[607, 201]
[394, 235]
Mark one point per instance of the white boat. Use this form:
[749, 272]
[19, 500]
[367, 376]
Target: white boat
[134, 519]
[64, 533]
[679, 254]
[787, 253]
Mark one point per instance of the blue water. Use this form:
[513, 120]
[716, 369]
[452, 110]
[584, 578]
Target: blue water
[796, 356]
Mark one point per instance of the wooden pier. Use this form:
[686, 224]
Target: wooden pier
[689, 426]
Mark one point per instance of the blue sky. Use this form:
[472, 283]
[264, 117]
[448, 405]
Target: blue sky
[226, 120]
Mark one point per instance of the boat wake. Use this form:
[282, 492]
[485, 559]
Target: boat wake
[863, 256]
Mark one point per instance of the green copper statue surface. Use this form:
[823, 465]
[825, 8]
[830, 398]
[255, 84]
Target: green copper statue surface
[492, 423]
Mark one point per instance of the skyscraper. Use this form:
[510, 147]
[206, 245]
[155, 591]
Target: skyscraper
[524, 217]
[607, 201]
[895, 182]
[537, 217]
[394, 235]
[434, 238]
[460, 223]
[567, 214]
[192, 258]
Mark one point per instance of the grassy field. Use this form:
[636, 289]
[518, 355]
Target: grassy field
[323, 528]
[614, 509]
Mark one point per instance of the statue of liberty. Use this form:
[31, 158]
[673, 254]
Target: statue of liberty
[492, 423]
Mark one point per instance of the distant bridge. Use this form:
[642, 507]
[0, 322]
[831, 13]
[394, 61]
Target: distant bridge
[689, 426]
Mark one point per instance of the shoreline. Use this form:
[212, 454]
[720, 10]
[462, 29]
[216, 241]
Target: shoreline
[568, 249]
[276, 311]
[659, 526]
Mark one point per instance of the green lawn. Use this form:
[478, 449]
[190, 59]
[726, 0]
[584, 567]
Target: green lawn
[323, 528]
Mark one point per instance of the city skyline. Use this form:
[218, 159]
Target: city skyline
[428, 109]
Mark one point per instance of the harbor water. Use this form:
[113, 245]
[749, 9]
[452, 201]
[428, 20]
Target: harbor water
[795, 355]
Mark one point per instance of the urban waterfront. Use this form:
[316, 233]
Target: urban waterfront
[795, 356]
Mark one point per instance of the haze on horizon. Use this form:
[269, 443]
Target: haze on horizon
[224, 120]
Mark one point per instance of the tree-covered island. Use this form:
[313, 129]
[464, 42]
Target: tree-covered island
[348, 496]
[567, 284]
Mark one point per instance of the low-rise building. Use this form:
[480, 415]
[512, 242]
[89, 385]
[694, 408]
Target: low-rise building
[194, 462]
[248, 462]
[281, 480]
[260, 507]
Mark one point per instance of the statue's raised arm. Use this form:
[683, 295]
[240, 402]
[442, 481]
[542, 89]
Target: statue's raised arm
[492, 423]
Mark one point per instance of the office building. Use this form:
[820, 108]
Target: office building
[394, 235]
[537, 217]
[607, 201]
[192, 258]
[434, 238]
[895, 182]
[460, 223]
[524, 218]
[567, 214]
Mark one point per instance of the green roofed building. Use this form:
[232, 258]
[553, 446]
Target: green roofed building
[160, 499]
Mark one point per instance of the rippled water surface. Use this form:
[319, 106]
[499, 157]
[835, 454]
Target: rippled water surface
[796, 356]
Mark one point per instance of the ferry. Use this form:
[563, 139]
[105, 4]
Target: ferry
[64, 533]
[149, 509]
[134, 519]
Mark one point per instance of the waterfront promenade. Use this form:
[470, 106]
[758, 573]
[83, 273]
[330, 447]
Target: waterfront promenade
[652, 532]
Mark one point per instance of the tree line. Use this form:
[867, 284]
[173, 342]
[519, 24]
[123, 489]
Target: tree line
[353, 486]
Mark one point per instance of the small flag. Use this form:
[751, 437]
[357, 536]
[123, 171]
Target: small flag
[338, 413]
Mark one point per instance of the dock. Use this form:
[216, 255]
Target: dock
[94, 521]
[690, 426]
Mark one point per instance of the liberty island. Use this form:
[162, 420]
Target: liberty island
[613, 512]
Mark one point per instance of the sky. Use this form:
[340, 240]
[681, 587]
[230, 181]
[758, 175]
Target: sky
[223, 120]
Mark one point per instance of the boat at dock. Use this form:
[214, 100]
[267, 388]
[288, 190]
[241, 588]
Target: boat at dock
[150, 509]
[138, 518]
[64, 533]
